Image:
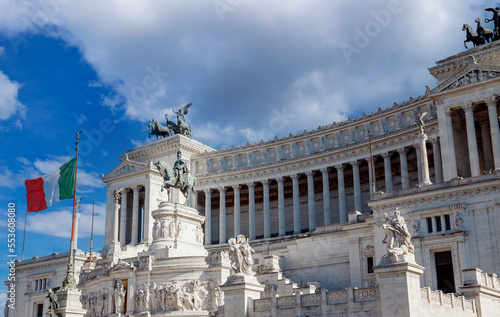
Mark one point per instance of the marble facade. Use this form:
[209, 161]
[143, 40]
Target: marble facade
[311, 205]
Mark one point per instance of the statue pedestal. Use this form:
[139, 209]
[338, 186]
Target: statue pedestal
[399, 286]
[237, 292]
[69, 303]
[177, 231]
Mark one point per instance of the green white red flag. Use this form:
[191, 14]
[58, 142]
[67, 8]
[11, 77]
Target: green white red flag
[44, 191]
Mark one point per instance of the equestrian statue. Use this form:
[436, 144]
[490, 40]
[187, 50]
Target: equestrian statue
[177, 176]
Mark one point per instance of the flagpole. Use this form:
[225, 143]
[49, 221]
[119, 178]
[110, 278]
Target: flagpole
[91, 259]
[69, 281]
[24, 235]
[371, 161]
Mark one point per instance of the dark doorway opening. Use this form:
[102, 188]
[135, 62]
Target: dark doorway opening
[444, 272]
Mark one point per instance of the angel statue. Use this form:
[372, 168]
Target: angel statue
[421, 122]
[52, 301]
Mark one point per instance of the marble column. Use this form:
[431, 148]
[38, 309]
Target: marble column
[116, 221]
[251, 210]
[267, 210]
[370, 176]
[357, 186]
[310, 200]
[419, 163]
[123, 217]
[471, 139]
[296, 204]
[222, 215]
[135, 214]
[237, 226]
[405, 179]
[327, 217]
[341, 185]
[494, 129]
[281, 206]
[147, 226]
[388, 172]
[208, 216]
[424, 167]
[487, 149]
[452, 159]
[438, 164]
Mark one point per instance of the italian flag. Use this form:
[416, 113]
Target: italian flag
[42, 192]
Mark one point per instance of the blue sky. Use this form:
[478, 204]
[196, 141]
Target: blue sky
[252, 70]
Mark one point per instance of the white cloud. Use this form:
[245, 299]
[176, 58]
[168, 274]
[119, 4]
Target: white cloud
[58, 223]
[9, 103]
[261, 56]
[86, 181]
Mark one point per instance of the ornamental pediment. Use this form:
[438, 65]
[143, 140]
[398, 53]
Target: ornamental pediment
[122, 267]
[471, 75]
[126, 168]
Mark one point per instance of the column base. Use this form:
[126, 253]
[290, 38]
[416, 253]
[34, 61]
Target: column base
[69, 303]
[237, 291]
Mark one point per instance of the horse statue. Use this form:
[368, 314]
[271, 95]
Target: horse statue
[177, 177]
[472, 37]
[157, 129]
[172, 125]
[486, 34]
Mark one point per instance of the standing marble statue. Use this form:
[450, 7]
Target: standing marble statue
[240, 254]
[397, 236]
[119, 296]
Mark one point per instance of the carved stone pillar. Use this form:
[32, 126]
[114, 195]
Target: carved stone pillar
[357, 186]
[251, 210]
[147, 226]
[237, 226]
[494, 129]
[341, 185]
[419, 163]
[296, 204]
[405, 180]
[281, 206]
[471, 139]
[135, 215]
[208, 216]
[486, 141]
[438, 165]
[267, 210]
[388, 172]
[123, 218]
[326, 197]
[222, 215]
[116, 222]
[452, 158]
[310, 200]
[424, 167]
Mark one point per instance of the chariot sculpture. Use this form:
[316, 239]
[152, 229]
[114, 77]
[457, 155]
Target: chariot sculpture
[171, 128]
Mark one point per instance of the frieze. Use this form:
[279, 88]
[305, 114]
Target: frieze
[454, 196]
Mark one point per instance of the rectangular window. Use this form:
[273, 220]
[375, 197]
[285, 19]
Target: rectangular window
[438, 224]
[429, 225]
[39, 310]
[447, 223]
[369, 261]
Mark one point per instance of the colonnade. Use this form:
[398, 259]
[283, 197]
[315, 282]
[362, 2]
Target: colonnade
[127, 218]
[223, 233]
[490, 137]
